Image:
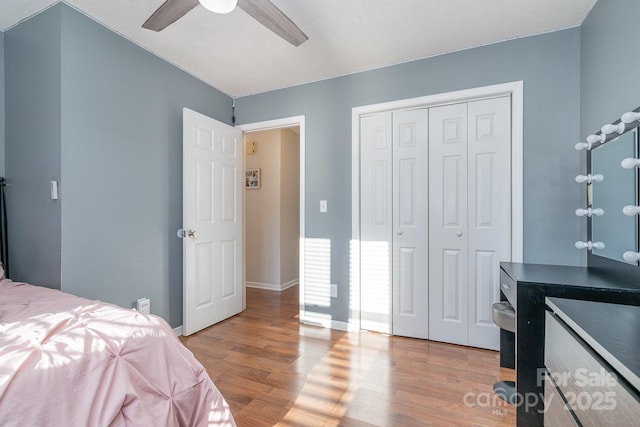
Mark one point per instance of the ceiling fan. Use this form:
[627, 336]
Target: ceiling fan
[262, 11]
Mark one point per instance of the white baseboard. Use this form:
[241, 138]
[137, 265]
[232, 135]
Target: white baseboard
[267, 286]
[178, 331]
[290, 284]
[272, 287]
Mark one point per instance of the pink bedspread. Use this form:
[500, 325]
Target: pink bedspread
[69, 361]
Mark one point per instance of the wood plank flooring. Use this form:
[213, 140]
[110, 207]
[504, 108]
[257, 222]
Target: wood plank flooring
[272, 370]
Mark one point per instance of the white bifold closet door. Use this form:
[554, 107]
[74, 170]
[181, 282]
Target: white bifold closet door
[394, 221]
[435, 220]
[469, 218]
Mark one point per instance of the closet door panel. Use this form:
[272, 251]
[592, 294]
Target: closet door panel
[410, 224]
[375, 222]
[489, 201]
[447, 223]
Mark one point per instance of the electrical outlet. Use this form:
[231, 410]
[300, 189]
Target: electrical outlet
[143, 305]
[323, 206]
[333, 290]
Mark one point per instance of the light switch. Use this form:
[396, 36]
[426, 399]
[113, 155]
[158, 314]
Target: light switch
[333, 290]
[53, 185]
[323, 206]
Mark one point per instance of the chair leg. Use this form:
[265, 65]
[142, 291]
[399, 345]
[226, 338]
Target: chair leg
[506, 390]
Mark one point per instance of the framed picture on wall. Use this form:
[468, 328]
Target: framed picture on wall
[252, 179]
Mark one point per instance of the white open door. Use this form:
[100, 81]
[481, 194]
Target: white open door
[212, 221]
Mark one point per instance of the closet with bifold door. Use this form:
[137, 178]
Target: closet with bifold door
[435, 219]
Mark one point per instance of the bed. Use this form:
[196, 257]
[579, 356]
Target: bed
[70, 361]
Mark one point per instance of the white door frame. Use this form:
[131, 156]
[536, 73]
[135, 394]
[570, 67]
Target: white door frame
[515, 90]
[276, 124]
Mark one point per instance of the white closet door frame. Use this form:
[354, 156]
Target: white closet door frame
[513, 89]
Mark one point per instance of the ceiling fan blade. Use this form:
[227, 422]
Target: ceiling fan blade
[271, 17]
[168, 13]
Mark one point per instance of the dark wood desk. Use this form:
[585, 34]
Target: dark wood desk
[525, 286]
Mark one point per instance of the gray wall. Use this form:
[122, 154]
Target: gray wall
[609, 86]
[122, 167]
[548, 64]
[609, 63]
[1, 103]
[32, 138]
[113, 121]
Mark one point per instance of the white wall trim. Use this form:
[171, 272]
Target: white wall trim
[271, 286]
[282, 123]
[517, 171]
[516, 91]
[178, 331]
[441, 98]
[290, 284]
[354, 244]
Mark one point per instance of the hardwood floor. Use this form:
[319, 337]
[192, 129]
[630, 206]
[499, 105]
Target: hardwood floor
[272, 370]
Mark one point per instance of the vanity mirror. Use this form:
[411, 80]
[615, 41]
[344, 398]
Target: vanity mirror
[613, 200]
[618, 189]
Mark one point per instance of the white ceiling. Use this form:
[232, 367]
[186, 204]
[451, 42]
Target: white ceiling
[238, 56]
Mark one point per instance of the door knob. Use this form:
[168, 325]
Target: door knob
[459, 233]
[399, 231]
[192, 234]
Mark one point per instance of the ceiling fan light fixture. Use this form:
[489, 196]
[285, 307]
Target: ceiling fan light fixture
[219, 6]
